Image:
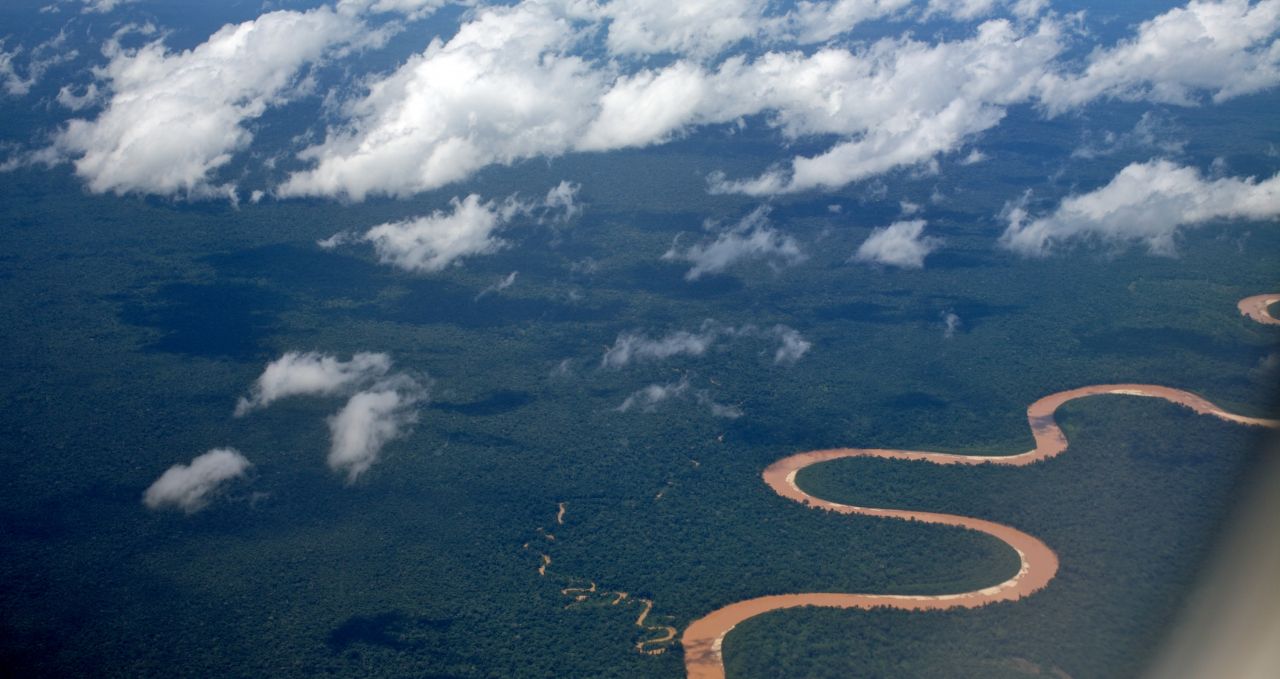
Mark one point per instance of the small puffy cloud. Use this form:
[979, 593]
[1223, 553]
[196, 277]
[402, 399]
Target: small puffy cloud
[172, 119]
[1227, 48]
[312, 374]
[431, 243]
[902, 244]
[792, 345]
[369, 421]
[1148, 203]
[751, 238]
[561, 203]
[648, 398]
[502, 284]
[631, 347]
[950, 324]
[191, 487]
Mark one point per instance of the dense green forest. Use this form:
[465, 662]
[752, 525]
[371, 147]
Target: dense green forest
[1131, 509]
[134, 324]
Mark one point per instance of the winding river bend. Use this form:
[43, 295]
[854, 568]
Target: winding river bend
[704, 638]
[1256, 308]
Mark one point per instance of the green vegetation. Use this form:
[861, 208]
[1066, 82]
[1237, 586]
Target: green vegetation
[132, 325]
[1131, 508]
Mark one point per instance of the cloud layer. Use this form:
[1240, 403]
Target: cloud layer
[1146, 203]
[191, 487]
[1227, 49]
[541, 78]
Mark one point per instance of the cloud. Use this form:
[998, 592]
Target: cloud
[649, 398]
[562, 198]
[950, 324]
[102, 6]
[813, 22]
[502, 284]
[750, 238]
[698, 28]
[173, 118]
[412, 9]
[896, 103]
[380, 409]
[312, 374]
[1148, 203]
[533, 80]
[1152, 131]
[631, 347]
[369, 421]
[431, 243]
[191, 487]
[502, 89]
[510, 85]
[902, 244]
[40, 59]
[793, 346]
[1227, 48]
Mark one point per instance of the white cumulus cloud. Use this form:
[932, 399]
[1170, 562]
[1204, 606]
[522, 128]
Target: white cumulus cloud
[631, 347]
[1227, 48]
[792, 345]
[648, 398]
[431, 243]
[750, 238]
[502, 89]
[1148, 203]
[896, 103]
[542, 78]
[312, 374]
[902, 244]
[369, 421]
[381, 407]
[190, 487]
[173, 118]
[701, 28]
